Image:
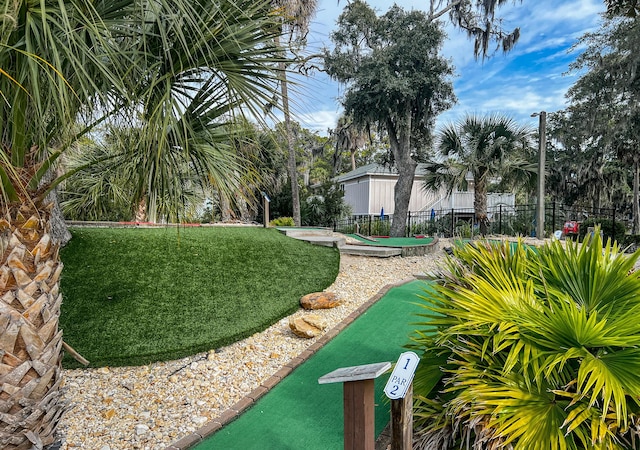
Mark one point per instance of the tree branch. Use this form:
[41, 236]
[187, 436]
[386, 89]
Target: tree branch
[434, 16]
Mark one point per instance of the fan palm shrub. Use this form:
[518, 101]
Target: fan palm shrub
[531, 348]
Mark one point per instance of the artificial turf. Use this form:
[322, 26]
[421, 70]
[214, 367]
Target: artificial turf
[298, 413]
[135, 296]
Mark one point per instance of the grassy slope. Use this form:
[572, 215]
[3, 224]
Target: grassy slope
[134, 296]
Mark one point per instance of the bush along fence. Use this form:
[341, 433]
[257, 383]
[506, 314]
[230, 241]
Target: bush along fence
[519, 220]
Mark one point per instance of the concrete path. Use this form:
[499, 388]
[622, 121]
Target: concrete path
[329, 238]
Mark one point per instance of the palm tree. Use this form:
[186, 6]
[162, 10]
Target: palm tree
[527, 348]
[488, 148]
[175, 69]
[296, 16]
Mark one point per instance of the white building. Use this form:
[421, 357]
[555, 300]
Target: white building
[369, 191]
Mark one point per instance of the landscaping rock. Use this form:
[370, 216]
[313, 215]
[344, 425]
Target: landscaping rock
[307, 326]
[320, 300]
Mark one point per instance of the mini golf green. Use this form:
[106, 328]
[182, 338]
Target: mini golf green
[298, 413]
[384, 241]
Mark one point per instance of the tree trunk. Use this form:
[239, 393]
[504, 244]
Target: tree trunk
[636, 195]
[401, 147]
[30, 341]
[480, 201]
[353, 159]
[291, 161]
[141, 211]
[59, 231]
[225, 208]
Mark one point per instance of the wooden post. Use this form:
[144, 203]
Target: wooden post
[266, 201]
[402, 421]
[399, 389]
[359, 423]
[266, 213]
[358, 402]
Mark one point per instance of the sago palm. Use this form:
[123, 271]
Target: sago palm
[529, 348]
[175, 69]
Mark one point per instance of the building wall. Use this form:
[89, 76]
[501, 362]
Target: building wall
[356, 194]
[381, 195]
[369, 195]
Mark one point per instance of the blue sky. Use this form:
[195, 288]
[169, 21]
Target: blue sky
[531, 78]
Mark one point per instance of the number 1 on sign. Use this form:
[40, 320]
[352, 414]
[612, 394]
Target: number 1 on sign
[401, 376]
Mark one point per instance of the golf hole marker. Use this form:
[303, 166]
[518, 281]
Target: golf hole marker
[402, 376]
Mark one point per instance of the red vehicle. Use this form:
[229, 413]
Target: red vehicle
[571, 228]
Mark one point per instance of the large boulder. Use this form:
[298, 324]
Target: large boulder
[320, 300]
[307, 326]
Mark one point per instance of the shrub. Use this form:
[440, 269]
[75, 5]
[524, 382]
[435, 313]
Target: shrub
[380, 227]
[606, 225]
[631, 242]
[282, 222]
[463, 229]
[324, 206]
[528, 348]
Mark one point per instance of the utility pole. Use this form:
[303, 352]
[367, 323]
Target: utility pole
[542, 130]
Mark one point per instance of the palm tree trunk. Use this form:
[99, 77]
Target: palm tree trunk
[58, 227]
[480, 202]
[636, 194]
[291, 160]
[30, 341]
[225, 208]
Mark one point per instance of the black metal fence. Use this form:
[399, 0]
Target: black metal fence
[519, 220]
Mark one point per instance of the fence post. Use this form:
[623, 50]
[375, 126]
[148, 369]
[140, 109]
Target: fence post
[553, 218]
[369, 234]
[407, 229]
[500, 220]
[453, 222]
[613, 224]
[402, 421]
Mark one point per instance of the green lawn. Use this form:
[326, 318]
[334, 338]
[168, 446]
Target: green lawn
[134, 296]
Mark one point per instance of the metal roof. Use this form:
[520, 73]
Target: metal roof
[374, 169]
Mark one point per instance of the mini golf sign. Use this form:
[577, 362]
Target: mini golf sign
[402, 375]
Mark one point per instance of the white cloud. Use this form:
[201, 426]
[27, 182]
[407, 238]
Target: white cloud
[320, 121]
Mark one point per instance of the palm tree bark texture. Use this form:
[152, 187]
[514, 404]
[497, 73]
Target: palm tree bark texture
[30, 342]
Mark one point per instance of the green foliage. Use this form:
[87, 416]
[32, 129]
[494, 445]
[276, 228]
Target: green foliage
[282, 222]
[381, 227]
[631, 242]
[207, 216]
[530, 348]
[396, 81]
[324, 206]
[463, 229]
[148, 295]
[491, 147]
[606, 225]
[173, 71]
[629, 8]
[595, 138]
